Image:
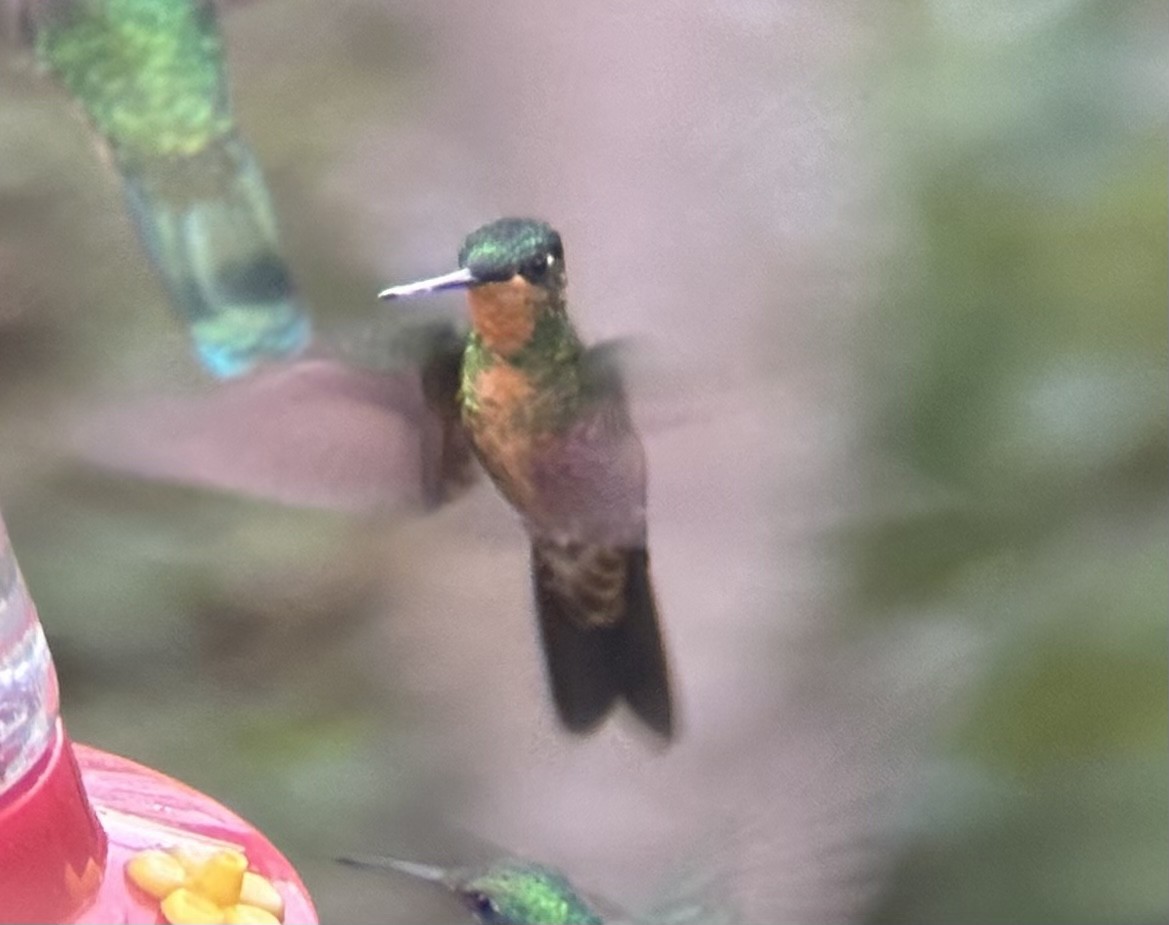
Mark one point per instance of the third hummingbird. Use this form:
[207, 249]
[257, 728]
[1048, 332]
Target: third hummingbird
[549, 421]
[514, 891]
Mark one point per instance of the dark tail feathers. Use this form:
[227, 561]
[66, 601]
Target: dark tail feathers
[590, 668]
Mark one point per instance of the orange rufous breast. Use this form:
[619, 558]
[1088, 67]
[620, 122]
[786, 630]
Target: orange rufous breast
[502, 388]
[504, 313]
[504, 444]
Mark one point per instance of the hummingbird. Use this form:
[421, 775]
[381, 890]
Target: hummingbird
[151, 79]
[506, 892]
[514, 891]
[549, 422]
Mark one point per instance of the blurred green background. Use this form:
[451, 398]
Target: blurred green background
[1021, 435]
[897, 273]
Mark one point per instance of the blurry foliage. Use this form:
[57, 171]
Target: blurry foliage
[231, 642]
[190, 611]
[1020, 434]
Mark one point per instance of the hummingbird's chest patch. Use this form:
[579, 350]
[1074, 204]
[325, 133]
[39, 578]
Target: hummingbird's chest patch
[504, 314]
[500, 391]
[497, 411]
[515, 414]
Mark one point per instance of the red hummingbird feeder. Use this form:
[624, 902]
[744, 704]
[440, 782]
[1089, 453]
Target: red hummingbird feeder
[88, 837]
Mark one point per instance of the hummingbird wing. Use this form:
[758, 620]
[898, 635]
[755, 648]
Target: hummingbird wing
[453, 460]
[590, 566]
[314, 433]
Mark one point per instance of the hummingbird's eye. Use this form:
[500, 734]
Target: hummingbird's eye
[535, 268]
[482, 905]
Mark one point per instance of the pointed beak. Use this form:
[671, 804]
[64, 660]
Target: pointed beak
[459, 279]
[420, 871]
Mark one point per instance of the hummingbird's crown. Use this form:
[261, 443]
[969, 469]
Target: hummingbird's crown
[503, 248]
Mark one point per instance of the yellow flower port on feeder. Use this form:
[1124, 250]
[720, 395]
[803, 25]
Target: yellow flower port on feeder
[258, 891]
[156, 872]
[186, 907]
[243, 914]
[206, 888]
[221, 878]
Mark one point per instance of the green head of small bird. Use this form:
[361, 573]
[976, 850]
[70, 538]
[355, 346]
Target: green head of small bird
[507, 250]
[513, 247]
[508, 892]
[513, 272]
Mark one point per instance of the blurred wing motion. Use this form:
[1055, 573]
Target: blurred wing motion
[149, 75]
[693, 895]
[312, 433]
[453, 458]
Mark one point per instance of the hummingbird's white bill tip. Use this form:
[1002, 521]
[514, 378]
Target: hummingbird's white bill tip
[459, 279]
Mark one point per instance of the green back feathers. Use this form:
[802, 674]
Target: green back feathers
[149, 73]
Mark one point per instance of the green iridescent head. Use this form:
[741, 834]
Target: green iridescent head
[511, 246]
[521, 893]
[495, 253]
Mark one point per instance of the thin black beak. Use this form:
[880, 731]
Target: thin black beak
[459, 279]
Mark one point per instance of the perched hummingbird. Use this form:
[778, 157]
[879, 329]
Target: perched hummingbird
[507, 892]
[549, 422]
[150, 76]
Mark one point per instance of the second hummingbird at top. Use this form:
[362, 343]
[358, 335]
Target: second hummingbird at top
[548, 420]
